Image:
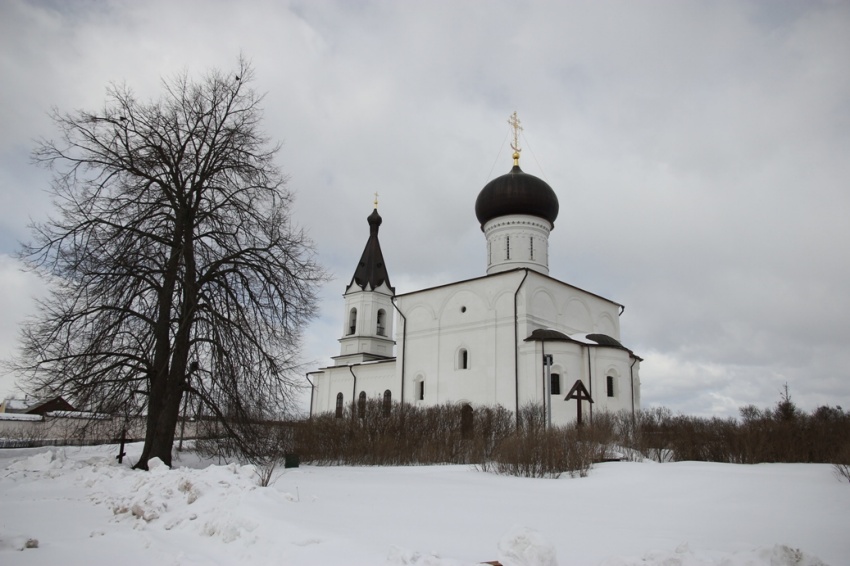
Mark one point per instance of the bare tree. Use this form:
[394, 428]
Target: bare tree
[174, 264]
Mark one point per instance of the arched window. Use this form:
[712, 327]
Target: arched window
[388, 402]
[339, 405]
[352, 321]
[361, 405]
[556, 384]
[466, 421]
[463, 359]
[382, 322]
[610, 385]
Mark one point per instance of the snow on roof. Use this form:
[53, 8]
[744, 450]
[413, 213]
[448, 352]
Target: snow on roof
[78, 415]
[19, 417]
[551, 334]
[16, 404]
[582, 337]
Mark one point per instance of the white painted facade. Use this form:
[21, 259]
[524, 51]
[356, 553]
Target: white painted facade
[515, 241]
[368, 325]
[474, 341]
[487, 321]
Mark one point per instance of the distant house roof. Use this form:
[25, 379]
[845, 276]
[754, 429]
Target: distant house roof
[12, 405]
[55, 404]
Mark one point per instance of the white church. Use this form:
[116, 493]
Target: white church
[511, 337]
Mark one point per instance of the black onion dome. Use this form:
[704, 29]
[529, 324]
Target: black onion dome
[516, 193]
[374, 219]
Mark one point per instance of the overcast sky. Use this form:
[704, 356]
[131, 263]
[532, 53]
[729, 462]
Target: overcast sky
[700, 152]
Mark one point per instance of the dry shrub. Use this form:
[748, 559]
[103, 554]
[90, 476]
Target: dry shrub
[536, 451]
[841, 465]
[410, 435]
[523, 445]
[270, 443]
[783, 434]
[406, 435]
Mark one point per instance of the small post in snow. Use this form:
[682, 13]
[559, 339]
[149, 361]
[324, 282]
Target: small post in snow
[121, 452]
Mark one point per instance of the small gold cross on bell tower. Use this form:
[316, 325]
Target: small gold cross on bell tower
[515, 125]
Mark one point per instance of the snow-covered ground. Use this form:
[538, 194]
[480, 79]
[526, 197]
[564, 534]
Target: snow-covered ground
[83, 508]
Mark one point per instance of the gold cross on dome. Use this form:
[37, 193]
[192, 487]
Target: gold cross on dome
[515, 125]
[376, 201]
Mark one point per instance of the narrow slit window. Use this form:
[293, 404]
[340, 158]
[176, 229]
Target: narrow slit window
[339, 405]
[463, 359]
[556, 384]
[420, 391]
[531, 242]
[610, 385]
[382, 322]
[352, 321]
[361, 405]
[508, 247]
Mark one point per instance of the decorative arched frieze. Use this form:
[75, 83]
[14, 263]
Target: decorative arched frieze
[605, 324]
[577, 314]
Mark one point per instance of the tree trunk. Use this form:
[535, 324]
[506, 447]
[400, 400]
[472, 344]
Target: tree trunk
[161, 423]
[163, 415]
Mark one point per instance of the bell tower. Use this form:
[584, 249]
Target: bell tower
[368, 321]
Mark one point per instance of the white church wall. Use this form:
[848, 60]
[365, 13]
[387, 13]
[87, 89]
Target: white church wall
[373, 378]
[615, 363]
[376, 378]
[517, 241]
[576, 314]
[634, 382]
[568, 309]
[476, 316]
[570, 362]
[606, 323]
[362, 332]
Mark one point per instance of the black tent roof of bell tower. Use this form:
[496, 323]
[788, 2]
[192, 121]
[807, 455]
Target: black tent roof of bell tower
[371, 270]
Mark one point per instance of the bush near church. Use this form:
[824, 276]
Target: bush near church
[413, 435]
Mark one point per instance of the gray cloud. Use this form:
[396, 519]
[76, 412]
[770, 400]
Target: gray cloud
[698, 151]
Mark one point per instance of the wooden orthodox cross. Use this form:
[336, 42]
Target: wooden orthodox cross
[578, 392]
